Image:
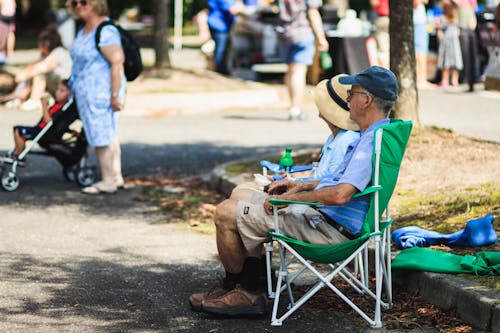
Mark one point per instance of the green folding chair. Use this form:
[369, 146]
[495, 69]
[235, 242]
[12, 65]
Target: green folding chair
[348, 260]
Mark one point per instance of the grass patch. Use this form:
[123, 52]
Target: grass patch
[491, 282]
[245, 167]
[251, 167]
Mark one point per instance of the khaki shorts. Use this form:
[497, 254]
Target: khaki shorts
[298, 221]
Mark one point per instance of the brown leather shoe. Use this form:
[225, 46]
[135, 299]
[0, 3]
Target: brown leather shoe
[195, 300]
[236, 302]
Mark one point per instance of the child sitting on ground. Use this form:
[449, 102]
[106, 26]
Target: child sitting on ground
[23, 133]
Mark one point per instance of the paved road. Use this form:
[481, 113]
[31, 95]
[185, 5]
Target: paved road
[475, 114]
[75, 263]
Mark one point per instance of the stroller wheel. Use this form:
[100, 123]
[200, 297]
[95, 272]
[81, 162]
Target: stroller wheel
[10, 182]
[85, 176]
[70, 173]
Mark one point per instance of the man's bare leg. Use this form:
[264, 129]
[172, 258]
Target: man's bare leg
[232, 253]
[243, 192]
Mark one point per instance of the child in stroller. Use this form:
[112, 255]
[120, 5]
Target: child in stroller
[53, 134]
[23, 133]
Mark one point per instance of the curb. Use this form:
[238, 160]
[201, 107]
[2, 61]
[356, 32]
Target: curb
[475, 304]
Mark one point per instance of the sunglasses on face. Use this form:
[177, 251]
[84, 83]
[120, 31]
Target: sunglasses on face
[75, 3]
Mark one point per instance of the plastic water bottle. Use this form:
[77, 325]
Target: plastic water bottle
[314, 171]
[286, 160]
[326, 60]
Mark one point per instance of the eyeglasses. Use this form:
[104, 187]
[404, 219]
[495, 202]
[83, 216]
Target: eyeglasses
[75, 3]
[350, 93]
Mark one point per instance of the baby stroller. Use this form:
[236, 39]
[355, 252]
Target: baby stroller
[68, 146]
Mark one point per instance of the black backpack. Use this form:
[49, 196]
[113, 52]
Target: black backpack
[133, 62]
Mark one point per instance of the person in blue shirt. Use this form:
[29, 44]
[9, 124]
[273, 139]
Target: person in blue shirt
[220, 19]
[242, 227]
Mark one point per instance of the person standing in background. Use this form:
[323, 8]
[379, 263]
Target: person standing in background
[300, 26]
[381, 8]
[98, 85]
[421, 36]
[7, 28]
[449, 53]
[220, 19]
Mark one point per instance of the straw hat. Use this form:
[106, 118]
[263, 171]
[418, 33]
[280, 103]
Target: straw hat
[331, 99]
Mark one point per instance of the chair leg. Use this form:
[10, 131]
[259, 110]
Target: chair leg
[388, 268]
[269, 253]
[378, 284]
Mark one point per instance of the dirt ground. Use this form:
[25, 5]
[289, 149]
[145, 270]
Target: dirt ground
[439, 161]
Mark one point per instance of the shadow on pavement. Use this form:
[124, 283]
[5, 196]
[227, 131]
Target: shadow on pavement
[105, 296]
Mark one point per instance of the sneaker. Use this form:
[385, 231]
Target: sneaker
[295, 114]
[236, 302]
[13, 103]
[300, 116]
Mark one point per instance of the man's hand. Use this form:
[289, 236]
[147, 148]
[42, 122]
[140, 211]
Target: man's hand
[268, 208]
[281, 186]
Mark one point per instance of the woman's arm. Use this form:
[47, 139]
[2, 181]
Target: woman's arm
[317, 27]
[114, 55]
[43, 66]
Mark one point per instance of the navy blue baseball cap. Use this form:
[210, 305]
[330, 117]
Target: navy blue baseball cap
[377, 80]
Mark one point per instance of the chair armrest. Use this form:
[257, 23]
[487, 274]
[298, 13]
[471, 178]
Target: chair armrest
[276, 202]
[368, 190]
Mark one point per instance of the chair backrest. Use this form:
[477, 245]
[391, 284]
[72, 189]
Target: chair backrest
[389, 147]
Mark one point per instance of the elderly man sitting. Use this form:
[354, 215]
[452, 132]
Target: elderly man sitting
[242, 226]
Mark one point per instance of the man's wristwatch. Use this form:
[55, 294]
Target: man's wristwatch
[115, 94]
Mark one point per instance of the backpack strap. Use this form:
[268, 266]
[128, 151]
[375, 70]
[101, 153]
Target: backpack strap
[98, 33]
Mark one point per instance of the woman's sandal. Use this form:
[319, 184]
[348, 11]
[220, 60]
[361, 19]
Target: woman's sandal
[95, 190]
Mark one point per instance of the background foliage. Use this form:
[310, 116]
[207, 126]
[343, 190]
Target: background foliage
[39, 13]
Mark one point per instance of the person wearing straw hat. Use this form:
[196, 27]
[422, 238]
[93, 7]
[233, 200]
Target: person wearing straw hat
[242, 227]
[335, 113]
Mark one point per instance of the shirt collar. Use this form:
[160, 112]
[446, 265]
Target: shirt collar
[376, 125]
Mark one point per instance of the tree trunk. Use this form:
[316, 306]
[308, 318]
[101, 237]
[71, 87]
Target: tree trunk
[161, 43]
[403, 59]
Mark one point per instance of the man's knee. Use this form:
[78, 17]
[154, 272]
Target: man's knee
[225, 213]
[242, 192]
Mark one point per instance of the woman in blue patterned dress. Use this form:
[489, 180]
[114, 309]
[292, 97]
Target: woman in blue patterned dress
[98, 84]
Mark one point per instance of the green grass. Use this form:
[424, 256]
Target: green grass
[446, 212]
[251, 167]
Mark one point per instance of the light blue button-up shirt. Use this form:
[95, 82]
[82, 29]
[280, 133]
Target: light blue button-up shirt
[356, 169]
[333, 152]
